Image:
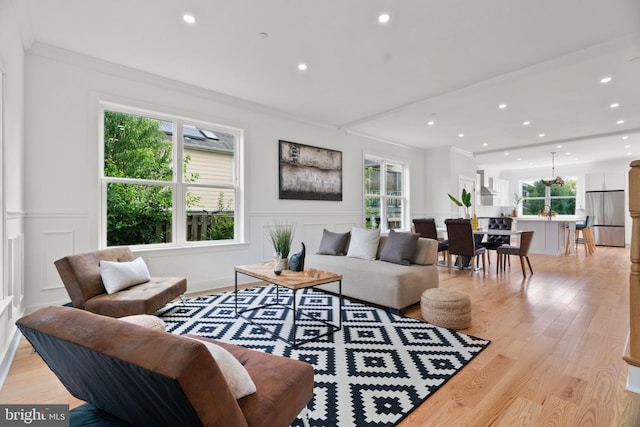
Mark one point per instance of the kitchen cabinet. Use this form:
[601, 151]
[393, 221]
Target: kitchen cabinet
[601, 181]
[493, 191]
[501, 186]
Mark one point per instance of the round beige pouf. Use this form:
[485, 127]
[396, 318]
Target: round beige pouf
[146, 320]
[447, 308]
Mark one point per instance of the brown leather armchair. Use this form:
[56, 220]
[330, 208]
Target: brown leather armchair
[81, 277]
[132, 375]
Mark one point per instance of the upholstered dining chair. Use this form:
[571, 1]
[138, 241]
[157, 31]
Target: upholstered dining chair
[426, 227]
[462, 242]
[522, 251]
[494, 242]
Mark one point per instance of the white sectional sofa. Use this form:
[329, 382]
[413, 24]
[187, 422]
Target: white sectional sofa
[379, 282]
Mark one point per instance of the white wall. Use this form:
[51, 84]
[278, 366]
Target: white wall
[62, 198]
[443, 166]
[11, 200]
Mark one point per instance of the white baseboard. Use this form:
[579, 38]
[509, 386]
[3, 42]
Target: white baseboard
[633, 379]
[7, 359]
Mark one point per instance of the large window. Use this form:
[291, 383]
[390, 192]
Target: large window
[559, 199]
[386, 197]
[168, 180]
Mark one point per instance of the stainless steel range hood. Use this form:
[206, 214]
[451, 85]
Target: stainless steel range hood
[485, 186]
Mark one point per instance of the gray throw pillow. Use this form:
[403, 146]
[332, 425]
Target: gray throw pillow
[400, 248]
[333, 243]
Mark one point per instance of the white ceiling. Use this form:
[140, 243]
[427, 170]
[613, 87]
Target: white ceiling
[450, 61]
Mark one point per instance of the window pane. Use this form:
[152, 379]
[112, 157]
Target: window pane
[394, 180]
[532, 206]
[568, 189]
[372, 177]
[533, 189]
[138, 214]
[564, 206]
[208, 156]
[372, 212]
[210, 214]
[394, 214]
[137, 147]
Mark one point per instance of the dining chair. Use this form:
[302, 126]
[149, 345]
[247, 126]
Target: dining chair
[426, 227]
[493, 242]
[522, 251]
[462, 242]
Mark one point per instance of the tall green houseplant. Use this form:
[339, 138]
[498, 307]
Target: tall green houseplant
[465, 201]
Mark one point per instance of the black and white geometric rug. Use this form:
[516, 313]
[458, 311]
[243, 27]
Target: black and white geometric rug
[373, 372]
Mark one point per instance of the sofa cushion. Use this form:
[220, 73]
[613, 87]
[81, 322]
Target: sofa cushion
[237, 377]
[117, 276]
[145, 298]
[426, 252]
[400, 248]
[364, 243]
[146, 320]
[333, 243]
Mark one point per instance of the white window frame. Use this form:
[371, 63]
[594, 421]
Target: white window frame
[405, 198]
[177, 184]
[547, 196]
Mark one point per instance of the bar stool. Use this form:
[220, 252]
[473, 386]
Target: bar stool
[587, 237]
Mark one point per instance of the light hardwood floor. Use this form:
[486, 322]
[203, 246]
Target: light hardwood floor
[555, 357]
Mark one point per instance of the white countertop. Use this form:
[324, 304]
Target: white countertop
[553, 218]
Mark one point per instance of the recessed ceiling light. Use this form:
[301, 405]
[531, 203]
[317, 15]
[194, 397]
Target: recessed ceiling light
[485, 144]
[558, 146]
[189, 19]
[614, 105]
[575, 158]
[629, 153]
[502, 106]
[431, 123]
[384, 18]
[619, 122]
[461, 135]
[605, 79]
[625, 137]
[526, 123]
[519, 158]
[627, 146]
[302, 66]
[541, 135]
[506, 154]
[567, 153]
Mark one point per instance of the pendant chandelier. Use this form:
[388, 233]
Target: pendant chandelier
[557, 179]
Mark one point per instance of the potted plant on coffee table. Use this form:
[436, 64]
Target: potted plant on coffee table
[281, 237]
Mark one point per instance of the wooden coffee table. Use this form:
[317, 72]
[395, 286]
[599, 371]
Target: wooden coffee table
[293, 280]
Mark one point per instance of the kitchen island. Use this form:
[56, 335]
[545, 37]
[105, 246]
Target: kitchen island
[549, 235]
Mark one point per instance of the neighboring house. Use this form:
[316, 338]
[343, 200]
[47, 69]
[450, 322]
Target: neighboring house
[211, 157]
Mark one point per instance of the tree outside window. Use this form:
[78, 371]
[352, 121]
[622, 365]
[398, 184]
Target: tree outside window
[537, 197]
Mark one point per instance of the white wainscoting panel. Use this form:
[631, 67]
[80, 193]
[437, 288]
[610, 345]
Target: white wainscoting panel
[55, 245]
[15, 265]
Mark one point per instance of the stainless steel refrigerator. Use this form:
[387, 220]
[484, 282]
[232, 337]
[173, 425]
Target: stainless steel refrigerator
[606, 215]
